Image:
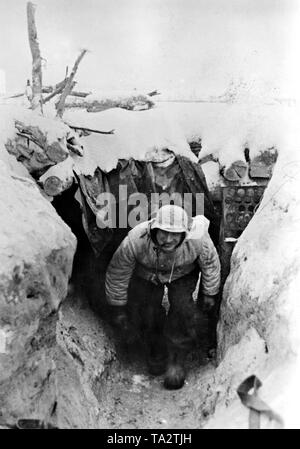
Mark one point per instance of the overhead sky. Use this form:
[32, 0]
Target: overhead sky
[155, 44]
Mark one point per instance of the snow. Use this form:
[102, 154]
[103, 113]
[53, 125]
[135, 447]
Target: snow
[127, 98]
[52, 128]
[63, 170]
[7, 131]
[261, 293]
[226, 130]
[136, 135]
[212, 174]
[117, 95]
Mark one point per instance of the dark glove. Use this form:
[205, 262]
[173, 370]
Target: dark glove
[119, 317]
[122, 324]
[209, 304]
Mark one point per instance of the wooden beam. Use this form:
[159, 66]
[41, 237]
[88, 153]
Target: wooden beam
[57, 91]
[53, 185]
[36, 101]
[75, 93]
[69, 86]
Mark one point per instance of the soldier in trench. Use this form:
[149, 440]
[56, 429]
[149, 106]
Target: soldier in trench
[168, 250]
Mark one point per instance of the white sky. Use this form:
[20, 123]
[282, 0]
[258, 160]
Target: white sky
[149, 44]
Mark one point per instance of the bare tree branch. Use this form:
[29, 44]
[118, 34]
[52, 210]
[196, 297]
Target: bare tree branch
[154, 92]
[49, 90]
[69, 85]
[112, 131]
[14, 96]
[79, 94]
[59, 88]
[36, 58]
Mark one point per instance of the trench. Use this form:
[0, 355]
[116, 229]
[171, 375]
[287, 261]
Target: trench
[128, 396]
[131, 398]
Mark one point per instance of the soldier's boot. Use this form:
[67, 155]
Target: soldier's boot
[176, 371]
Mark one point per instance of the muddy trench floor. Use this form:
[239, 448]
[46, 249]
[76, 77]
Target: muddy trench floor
[132, 398]
[129, 397]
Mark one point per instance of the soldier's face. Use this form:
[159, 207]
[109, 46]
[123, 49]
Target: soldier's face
[168, 241]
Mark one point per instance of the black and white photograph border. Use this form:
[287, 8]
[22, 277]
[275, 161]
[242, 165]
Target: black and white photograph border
[149, 216]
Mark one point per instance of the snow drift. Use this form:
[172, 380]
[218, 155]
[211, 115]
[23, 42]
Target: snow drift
[258, 330]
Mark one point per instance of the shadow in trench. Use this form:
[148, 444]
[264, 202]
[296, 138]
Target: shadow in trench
[84, 280]
[88, 274]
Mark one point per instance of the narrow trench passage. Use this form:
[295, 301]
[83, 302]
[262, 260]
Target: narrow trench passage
[131, 398]
[128, 396]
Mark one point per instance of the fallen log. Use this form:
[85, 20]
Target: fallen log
[55, 90]
[79, 94]
[97, 102]
[69, 85]
[58, 178]
[54, 186]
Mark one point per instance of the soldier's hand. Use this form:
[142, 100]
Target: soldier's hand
[121, 323]
[119, 317]
[208, 302]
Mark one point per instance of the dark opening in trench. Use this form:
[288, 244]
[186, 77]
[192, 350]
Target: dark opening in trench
[88, 271]
[88, 275]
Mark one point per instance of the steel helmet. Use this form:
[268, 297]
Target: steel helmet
[171, 218]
